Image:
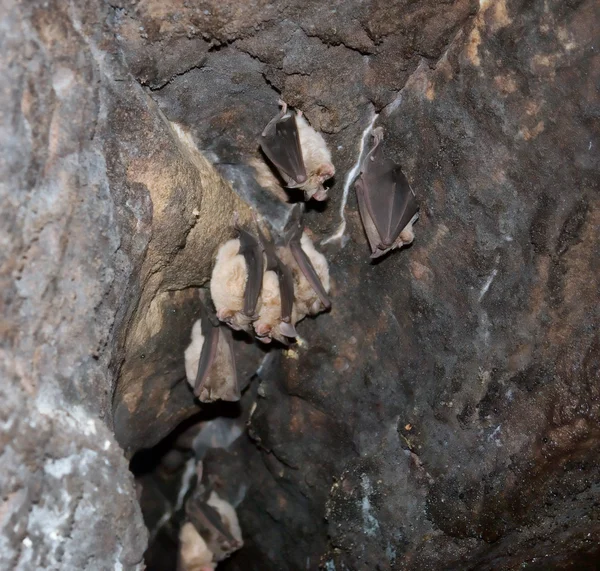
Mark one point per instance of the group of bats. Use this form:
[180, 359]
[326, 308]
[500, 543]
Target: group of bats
[265, 285]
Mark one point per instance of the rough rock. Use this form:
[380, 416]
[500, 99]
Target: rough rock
[444, 415]
[109, 222]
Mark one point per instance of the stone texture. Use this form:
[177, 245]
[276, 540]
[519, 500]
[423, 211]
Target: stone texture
[110, 219]
[444, 415]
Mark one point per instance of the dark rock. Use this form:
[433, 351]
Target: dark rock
[444, 414]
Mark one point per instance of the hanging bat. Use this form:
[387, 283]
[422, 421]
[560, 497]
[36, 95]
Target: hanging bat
[298, 152]
[386, 201]
[276, 317]
[209, 362]
[216, 521]
[194, 554]
[236, 281]
[312, 281]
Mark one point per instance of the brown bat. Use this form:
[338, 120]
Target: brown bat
[386, 201]
[209, 362]
[276, 318]
[294, 234]
[298, 152]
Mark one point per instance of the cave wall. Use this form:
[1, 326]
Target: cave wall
[443, 415]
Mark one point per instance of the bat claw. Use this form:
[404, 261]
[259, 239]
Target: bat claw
[283, 106]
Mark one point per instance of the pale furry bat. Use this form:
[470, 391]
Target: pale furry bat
[209, 362]
[298, 152]
[215, 520]
[237, 280]
[386, 201]
[302, 275]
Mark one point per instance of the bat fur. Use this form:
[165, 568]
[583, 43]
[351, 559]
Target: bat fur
[312, 161]
[317, 160]
[194, 554]
[230, 520]
[269, 325]
[222, 381]
[227, 286]
[307, 302]
[385, 197]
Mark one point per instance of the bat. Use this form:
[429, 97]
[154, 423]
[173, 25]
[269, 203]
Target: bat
[209, 362]
[194, 554]
[276, 316]
[303, 250]
[386, 201]
[236, 281]
[216, 521]
[298, 153]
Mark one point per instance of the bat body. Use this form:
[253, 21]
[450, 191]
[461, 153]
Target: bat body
[386, 201]
[310, 291]
[236, 281]
[276, 317]
[269, 324]
[209, 362]
[194, 554]
[310, 269]
[215, 520]
[298, 152]
[228, 284]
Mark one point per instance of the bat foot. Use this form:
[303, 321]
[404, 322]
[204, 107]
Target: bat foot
[283, 105]
[377, 135]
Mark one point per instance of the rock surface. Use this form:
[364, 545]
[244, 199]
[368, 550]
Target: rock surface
[444, 415]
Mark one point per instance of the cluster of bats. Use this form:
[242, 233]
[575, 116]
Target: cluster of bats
[264, 285]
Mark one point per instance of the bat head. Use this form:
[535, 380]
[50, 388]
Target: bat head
[314, 187]
[235, 319]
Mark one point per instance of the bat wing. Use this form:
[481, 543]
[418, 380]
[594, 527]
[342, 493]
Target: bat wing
[388, 197]
[206, 519]
[370, 230]
[280, 141]
[230, 389]
[208, 353]
[309, 272]
[251, 250]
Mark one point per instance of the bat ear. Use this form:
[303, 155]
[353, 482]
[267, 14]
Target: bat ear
[288, 329]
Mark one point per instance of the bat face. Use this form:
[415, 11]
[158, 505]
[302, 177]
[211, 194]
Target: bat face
[298, 152]
[387, 204]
